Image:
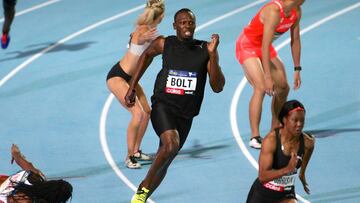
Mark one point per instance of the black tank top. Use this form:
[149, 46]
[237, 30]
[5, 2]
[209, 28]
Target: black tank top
[284, 185]
[181, 81]
[280, 160]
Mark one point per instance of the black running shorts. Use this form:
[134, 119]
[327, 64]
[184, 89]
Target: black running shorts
[9, 3]
[117, 71]
[259, 194]
[163, 118]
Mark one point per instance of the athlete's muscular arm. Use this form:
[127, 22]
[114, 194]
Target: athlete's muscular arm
[217, 79]
[20, 160]
[296, 47]
[155, 48]
[270, 17]
[266, 172]
[309, 141]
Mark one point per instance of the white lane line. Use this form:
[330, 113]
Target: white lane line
[320, 22]
[215, 20]
[62, 41]
[105, 147]
[110, 98]
[33, 8]
[234, 126]
[240, 87]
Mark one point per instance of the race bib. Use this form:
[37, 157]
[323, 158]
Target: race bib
[181, 82]
[281, 184]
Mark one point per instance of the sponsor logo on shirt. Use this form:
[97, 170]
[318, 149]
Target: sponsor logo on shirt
[284, 183]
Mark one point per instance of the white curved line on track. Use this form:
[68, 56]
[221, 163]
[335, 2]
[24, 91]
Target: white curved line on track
[240, 87]
[33, 8]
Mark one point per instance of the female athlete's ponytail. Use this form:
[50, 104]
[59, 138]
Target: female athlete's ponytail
[153, 10]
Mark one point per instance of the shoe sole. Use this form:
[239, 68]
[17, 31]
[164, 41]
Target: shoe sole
[133, 167]
[252, 146]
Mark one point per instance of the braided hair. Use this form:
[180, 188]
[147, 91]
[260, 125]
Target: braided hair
[42, 191]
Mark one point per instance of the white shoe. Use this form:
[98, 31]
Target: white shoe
[255, 142]
[140, 156]
[131, 163]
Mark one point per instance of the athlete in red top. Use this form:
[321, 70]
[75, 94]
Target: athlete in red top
[262, 67]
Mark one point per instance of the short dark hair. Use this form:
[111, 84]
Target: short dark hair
[287, 107]
[182, 11]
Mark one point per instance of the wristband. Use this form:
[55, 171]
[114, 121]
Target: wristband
[297, 68]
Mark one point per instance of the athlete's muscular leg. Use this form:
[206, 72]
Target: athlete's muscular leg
[255, 75]
[166, 153]
[145, 117]
[118, 86]
[158, 178]
[9, 13]
[281, 88]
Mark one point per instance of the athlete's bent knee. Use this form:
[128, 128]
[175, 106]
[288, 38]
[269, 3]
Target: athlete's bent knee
[283, 91]
[171, 148]
[138, 115]
[171, 144]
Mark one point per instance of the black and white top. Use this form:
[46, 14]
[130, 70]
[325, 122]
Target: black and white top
[7, 187]
[280, 160]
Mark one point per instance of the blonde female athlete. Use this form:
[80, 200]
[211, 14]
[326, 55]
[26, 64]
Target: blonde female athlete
[120, 74]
